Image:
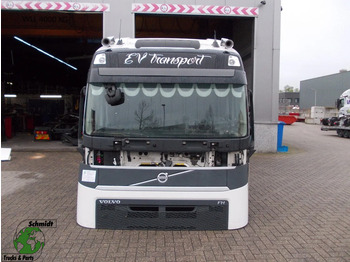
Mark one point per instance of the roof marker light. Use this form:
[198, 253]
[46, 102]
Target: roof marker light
[45, 53]
[227, 43]
[108, 41]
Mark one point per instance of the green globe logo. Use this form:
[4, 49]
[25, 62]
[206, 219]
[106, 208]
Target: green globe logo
[29, 240]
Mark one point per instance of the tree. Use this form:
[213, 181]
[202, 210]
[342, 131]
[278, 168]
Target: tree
[142, 115]
[288, 89]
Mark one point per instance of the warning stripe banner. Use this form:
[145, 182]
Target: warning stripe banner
[195, 9]
[54, 6]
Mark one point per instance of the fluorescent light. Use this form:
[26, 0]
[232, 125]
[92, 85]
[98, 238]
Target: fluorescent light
[45, 53]
[50, 96]
[10, 95]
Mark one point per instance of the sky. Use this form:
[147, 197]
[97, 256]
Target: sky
[315, 39]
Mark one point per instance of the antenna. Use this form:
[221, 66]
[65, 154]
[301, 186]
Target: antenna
[215, 43]
[120, 41]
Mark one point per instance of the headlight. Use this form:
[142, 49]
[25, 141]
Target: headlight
[100, 59]
[233, 61]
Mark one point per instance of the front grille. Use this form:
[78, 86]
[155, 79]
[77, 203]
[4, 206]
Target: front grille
[142, 212]
[162, 215]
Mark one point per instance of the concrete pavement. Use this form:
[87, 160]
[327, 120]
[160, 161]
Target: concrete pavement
[299, 209]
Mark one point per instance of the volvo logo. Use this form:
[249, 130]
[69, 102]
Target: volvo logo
[162, 177]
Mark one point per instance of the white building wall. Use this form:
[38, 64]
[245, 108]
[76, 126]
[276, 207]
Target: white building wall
[266, 75]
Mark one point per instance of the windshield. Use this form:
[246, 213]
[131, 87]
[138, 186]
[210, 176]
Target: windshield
[168, 111]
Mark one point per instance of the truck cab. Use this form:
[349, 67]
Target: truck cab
[167, 136]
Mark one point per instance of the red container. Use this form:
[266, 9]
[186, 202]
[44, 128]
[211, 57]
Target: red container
[287, 119]
[8, 127]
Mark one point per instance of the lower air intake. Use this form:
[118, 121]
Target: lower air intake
[161, 215]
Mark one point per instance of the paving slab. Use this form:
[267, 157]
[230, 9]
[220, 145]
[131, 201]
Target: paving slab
[298, 209]
[24, 142]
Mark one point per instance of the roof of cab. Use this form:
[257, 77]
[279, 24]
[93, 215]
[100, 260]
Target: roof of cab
[110, 43]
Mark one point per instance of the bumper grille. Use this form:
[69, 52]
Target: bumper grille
[162, 215]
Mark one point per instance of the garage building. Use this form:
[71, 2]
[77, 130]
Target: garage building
[324, 90]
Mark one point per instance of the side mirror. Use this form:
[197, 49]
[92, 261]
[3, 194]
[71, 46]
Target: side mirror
[338, 102]
[81, 116]
[114, 96]
[251, 124]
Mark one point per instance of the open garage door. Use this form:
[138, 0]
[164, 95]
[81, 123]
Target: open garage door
[31, 39]
[45, 53]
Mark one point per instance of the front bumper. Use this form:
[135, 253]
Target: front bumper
[179, 198]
